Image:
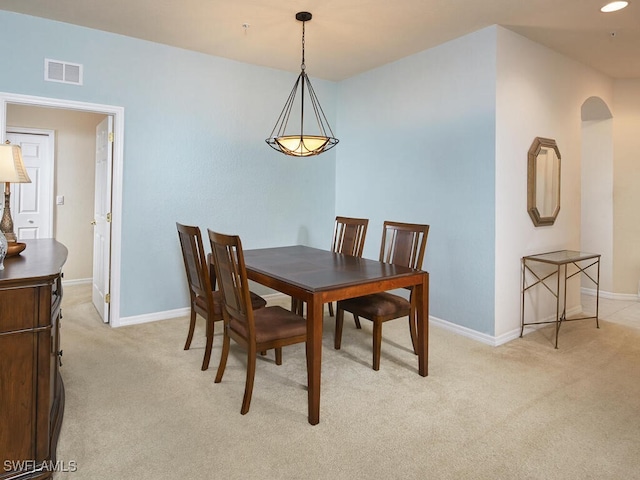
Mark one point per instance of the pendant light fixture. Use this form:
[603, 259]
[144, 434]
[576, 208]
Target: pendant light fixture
[302, 144]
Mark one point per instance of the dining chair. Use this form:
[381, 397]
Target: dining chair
[254, 330]
[204, 299]
[348, 238]
[402, 244]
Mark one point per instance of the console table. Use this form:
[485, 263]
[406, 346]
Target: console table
[561, 260]
[31, 389]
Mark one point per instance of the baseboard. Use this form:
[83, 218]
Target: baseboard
[433, 321]
[464, 331]
[628, 297]
[77, 281]
[154, 317]
[168, 314]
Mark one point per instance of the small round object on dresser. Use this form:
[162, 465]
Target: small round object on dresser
[15, 248]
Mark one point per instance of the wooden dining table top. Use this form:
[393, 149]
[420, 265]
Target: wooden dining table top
[316, 270]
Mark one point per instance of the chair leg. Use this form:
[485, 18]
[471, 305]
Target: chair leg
[337, 338]
[223, 357]
[413, 330]
[279, 356]
[357, 321]
[377, 344]
[251, 373]
[192, 327]
[331, 309]
[309, 360]
[209, 346]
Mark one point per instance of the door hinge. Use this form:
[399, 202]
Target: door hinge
[111, 137]
[109, 217]
[107, 298]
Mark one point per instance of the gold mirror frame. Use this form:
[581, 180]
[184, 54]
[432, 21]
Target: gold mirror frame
[543, 181]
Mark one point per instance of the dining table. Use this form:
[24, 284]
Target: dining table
[315, 277]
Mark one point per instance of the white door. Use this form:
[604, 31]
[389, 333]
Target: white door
[102, 218]
[32, 203]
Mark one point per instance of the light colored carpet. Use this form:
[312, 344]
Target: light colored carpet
[138, 406]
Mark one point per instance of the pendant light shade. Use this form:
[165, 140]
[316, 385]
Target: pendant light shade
[302, 144]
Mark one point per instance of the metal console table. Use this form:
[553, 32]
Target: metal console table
[561, 259]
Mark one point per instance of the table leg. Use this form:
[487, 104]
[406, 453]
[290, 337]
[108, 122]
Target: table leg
[598, 293]
[522, 300]
[314, 357]
[421, 292]
[558, 300]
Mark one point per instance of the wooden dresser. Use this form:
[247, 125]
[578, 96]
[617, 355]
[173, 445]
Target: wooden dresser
[31, 389]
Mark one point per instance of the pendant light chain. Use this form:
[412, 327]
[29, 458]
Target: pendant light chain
[302, 66]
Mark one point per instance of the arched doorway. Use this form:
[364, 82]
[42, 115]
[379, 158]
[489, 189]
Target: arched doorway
[597, 188]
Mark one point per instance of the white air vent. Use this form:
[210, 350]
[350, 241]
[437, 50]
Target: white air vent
[63, 72]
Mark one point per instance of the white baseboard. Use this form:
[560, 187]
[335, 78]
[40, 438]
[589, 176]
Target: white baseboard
[466, 332]
[490, 339]
[154, 317]
[434, 321]
[169, 314]
[77, 281]
[629, 297]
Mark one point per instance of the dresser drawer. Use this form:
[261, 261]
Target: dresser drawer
[18, 309]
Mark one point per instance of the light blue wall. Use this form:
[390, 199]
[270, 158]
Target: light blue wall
[194, 147]
[418, 145]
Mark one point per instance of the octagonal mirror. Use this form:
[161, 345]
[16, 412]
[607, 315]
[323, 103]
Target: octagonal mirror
[543, 181]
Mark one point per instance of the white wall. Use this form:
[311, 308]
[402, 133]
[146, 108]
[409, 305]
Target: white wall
[626, 146]
[597, 198]
[539, 93]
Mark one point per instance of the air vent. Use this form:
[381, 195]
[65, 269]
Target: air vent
[62, 72]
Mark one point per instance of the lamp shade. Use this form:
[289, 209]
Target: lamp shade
[11, 166]
[302, 145]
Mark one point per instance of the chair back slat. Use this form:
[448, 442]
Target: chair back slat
[349, 235]
[232, 279]
[404, 244]
[195, 261]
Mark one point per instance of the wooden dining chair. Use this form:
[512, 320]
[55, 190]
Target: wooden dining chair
[255, 331]
[348, 238]
[204, 299]
[402, 244]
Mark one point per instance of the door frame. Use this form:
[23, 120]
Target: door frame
[117, 174]
[50, 136]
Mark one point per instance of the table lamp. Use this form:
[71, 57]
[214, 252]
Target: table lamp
[11, 171]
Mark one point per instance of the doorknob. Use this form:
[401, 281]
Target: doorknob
[30, 221]
[93, 222]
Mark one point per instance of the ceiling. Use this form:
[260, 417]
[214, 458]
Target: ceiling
[347, 37]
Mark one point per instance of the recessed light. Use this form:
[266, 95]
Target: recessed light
[613, 6]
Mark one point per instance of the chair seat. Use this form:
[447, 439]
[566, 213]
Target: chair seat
[201, 302]
[376, 305]
[256, 302]
[272, 323]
